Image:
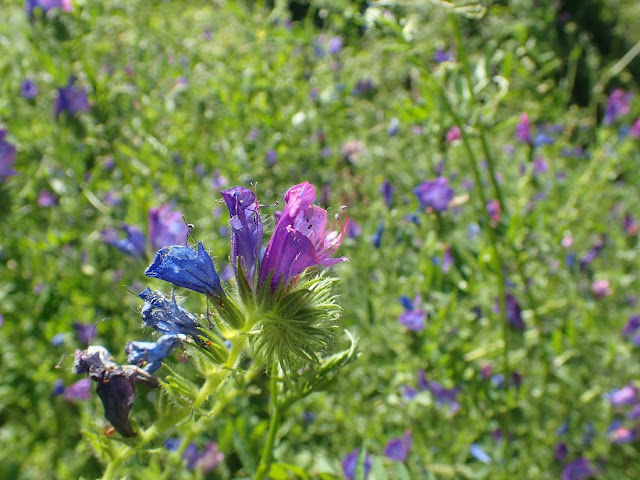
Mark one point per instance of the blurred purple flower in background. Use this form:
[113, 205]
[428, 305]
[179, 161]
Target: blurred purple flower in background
[350, 462]
[86, 332]
[413, 317]
[523, 130]
[442, 55]
[434, 194]
[617, 104]
[579, 469]
[28, 88]
[631, 329]
[394, 125]
[635, 129]
[78, 391]
[601, 288]
[453, 134]
[561, 451]
[625, 396]
[386, 189]
[71, 100]
[46, 5]
[47, 199]
[166, 227]
[398, 448]
[7, 156]
[335, 45]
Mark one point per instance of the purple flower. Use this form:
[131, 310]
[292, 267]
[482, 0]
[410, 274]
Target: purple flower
[398, 448]
[579, 469]
[7, 156]
[29, 89]
[453, 134]
[58, 388]
[635, 129]
[335, 45]
[78, 391]
[46, 5]
[627, 395]
[523, 130]
[186, 268]
[441, 395]
[47, 199]
[435, 194]
[630, 330]
[619, 434]
[271, 158]
[150, 355]
[617, 104]
[413, 317]
[630, 225]
[447, 259]
[386, 189]
[561, 451]
[246, 229]
[301, 239]
[600, 288]
[514, 313]
[209, 459]
[350, 462]
[363, 87]
[71, 100]
[132, 244]
[86, 332]
[166, 227]
[167, 317]
[442, 55]
[479, 454]
[592, 254]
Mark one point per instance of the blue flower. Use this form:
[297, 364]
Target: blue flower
[150, 355]
[579, 469]
[413, 317]
[376, 238]
[479, 454]
[29, 89]
[435, 194]
[350, 462]
[166, 317]
[187, 268]
[132, 244]
[398, 448]
[71, 100]
[246, 229]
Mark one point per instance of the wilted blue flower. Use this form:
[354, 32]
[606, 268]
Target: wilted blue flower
[150, 355]
[434, 194]
[71, 100]
[350, 462]
[115, 384]
[301, 239]
[167, 317]
[579, 469]
[479, 454]
[617, 104]
[166, 227]
[398, 448]
[28, 88]
[246, 229]
[413, 317]
[7, 156]
[187, 268]
[132, 244]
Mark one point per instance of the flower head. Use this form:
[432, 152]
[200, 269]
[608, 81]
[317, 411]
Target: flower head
[350, 462]
[523, 130]
[246, 229]
[187, 268]
[413, 317]
[301, 239]
[132, 244]
[479, 454]
[78, 391]
[29, 89]
[579, 469]
[46, 5]
[617, 104]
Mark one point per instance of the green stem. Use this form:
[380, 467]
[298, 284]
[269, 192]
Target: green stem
[267, 452]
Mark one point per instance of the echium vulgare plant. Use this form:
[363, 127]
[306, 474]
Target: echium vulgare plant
[281, 313]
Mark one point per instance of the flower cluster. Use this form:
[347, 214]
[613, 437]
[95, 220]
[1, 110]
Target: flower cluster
[289, 316]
